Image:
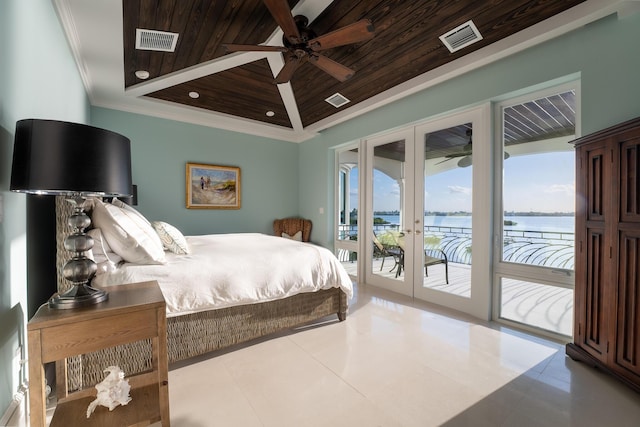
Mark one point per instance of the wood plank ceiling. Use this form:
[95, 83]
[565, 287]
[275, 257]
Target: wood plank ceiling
[540, 119]
[406, 45]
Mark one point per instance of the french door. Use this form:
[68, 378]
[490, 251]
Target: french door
[421, 203]
[389, 222]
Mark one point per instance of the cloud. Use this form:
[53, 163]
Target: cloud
[459, 189]
[568, 189]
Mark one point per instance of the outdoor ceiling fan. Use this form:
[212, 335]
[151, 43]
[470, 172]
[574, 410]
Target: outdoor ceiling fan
[302, 45]
[466, 153]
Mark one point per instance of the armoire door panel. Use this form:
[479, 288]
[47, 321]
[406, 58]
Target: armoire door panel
[595, 182]
[630, 181]
[628, 319]
[595, 327]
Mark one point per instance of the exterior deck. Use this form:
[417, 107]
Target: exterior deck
[546, 307]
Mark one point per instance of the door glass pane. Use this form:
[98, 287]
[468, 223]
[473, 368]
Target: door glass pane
[535, 304]
[346, 244]
[348, 195]
[388, 216]
[447, 210]
[349, 260]
[538, 182]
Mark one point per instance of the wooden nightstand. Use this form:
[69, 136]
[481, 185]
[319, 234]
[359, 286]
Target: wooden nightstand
[132, 313]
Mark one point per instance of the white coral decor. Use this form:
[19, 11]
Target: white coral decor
[112, 391]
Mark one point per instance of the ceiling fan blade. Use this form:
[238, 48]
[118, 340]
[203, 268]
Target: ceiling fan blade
[465, 162]
[290, 66]
[442, 161]
[353, 33]
[331, 67]
[230, 47]
[280, 11]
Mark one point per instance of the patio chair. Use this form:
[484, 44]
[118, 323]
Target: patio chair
[379, 250]
[435, 257]
[290, 227]
[431, 257]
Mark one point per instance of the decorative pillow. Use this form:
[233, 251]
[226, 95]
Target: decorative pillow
[128, 234]
[171, 238]
[297, 237]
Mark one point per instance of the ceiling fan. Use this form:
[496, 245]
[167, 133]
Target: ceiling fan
[302, 45]
[466, 153]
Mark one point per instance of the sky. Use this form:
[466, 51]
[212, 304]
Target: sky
[538, 182]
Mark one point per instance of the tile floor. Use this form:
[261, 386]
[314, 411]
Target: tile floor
[397, 362]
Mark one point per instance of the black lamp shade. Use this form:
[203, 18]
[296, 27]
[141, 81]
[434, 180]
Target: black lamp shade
[55, 157]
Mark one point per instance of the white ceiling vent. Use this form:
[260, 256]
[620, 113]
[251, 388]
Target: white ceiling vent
[461, 36]
[337, 100]
[156, 40]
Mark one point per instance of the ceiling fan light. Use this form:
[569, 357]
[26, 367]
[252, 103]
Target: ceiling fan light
[142, 74]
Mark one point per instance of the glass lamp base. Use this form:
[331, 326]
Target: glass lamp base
[79, 296]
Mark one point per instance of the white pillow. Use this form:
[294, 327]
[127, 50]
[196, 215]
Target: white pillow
[101, 251]
[297, 237]
[129, 234]
[171, 238]
[122, 205]
[138, 218]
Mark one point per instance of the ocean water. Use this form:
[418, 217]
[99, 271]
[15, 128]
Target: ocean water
[527, 223]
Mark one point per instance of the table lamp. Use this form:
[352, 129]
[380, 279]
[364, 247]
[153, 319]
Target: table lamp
[75, 160]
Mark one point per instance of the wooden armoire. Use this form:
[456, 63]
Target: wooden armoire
[607, 263]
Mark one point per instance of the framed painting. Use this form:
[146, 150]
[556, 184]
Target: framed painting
[212, 187]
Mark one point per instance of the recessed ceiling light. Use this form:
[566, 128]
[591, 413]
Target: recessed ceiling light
[270, 113]
[142, 74]
[194, 95]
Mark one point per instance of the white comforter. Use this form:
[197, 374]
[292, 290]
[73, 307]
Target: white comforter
[224, 270]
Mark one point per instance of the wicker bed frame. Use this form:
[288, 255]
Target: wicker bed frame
[195, 334]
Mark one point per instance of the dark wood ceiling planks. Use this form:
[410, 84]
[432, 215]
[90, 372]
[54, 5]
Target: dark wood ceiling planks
[247, 88]
[406, 45]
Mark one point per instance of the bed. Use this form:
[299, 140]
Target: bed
[258, 293]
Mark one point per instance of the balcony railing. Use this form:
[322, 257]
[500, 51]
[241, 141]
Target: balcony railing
[541, 248]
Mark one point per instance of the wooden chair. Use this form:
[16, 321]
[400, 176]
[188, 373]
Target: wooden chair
[291, 226]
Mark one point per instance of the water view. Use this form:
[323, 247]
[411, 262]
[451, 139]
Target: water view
[535, 239]
[524, 223]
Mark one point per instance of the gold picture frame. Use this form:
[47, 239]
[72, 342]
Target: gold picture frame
[212, 186]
